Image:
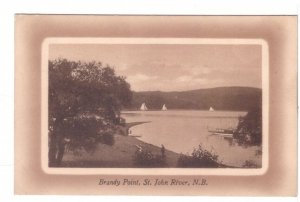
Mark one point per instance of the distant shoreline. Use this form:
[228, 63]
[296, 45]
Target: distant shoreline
[157, 110]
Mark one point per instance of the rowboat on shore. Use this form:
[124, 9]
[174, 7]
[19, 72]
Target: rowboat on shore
[222, 132]
[135, 135]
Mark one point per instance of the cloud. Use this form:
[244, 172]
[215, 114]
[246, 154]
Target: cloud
[196, 76]
[199, 80]
[140, 77]
[200, 70]
[184, 78]
[123, 67]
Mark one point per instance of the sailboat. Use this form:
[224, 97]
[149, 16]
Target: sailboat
[211, 109]
[144, 107]
[164, 108]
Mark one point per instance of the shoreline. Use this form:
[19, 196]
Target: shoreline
[121, 154]
[132, 124]
[203, 110]
[124, 129]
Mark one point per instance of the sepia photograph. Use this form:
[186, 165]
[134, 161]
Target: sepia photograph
[156, 103]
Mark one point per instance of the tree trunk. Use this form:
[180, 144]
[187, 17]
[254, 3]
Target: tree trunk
[60, 153]
[52, 150]
[56, 150]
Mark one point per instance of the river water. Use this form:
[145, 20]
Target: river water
[183, 130]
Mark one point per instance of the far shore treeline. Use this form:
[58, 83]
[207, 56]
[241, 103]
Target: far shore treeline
[220, 98]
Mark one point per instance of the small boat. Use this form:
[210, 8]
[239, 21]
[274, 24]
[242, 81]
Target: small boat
[135, 136]
[222, 132]
[211, 109]
[143, 107]
[164, 108]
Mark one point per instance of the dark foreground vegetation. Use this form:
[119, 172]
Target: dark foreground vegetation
[85, 100]
[249, 129]
[200, 158]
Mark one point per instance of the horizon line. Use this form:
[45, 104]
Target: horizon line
[198, 89]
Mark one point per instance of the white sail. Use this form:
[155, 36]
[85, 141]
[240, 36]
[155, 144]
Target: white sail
[164, 108]
[143, 107]
[211, 109]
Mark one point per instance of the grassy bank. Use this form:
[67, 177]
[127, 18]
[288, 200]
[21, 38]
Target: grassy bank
[120, 155]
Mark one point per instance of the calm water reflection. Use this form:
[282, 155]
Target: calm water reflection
[183, 130]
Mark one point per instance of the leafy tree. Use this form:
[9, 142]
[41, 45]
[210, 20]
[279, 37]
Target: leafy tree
[200, 158]
[85, 100]
[249, 129]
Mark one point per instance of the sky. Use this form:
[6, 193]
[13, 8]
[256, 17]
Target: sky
[178, 67]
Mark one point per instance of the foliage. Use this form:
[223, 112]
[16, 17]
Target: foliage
[250, 164]
[85, 100]
[145, 158]
[86, 131]
[200, 158]
[220, 98]
[249, 129]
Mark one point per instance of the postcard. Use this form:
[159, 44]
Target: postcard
[160, 105]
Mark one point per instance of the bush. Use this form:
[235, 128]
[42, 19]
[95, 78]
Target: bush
[107, 138]
[250, 164]
[200, 158]
[86, 132]
[249, 129]
[145, 158]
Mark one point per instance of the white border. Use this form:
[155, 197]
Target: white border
[155, 171]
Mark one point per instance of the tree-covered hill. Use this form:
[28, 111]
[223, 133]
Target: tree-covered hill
[221, 98]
